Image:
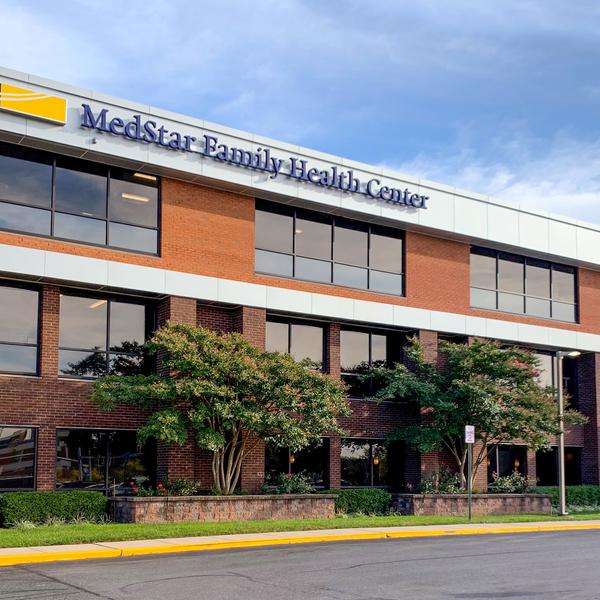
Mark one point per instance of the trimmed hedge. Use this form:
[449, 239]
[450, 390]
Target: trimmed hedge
[366, 501]
[39, 507]
[577, 495]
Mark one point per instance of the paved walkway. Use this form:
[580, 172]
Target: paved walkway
[38, 554]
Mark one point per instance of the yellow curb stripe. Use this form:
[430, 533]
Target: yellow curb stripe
[39, 557]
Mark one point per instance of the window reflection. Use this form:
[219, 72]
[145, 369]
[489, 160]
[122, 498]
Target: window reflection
[366, 463]
[80, 188]
[17, 458]
[25, 176]
[300, 340]
[310, 461]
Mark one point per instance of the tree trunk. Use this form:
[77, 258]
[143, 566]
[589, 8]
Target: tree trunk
[227, 464]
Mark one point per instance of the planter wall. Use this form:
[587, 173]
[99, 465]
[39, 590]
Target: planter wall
[483, 504]
[175, 509]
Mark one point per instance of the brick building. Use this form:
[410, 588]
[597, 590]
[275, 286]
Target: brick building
[116, 217]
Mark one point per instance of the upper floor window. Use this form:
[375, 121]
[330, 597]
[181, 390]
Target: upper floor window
[99, 336]
[18, 330]
[17, 457]
[77, 200]
[359, 351]
[317, 247]
[521, 285]
[301, 340]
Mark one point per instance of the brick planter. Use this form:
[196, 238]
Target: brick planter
[483, 504]
[175, 509]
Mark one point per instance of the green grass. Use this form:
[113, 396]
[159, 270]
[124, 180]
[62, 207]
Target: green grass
[88, 533]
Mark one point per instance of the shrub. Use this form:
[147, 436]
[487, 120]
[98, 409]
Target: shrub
[288, 483]
[41, 507]
[365, 501]
[177, 487]
[577, 495]
[442, 482]
[515, 483]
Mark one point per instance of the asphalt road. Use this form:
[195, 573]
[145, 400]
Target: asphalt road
[558, 565]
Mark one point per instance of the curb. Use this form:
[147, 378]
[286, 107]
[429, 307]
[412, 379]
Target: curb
[54, 554]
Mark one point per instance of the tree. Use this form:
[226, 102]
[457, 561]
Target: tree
[496, 389]
[229, 395]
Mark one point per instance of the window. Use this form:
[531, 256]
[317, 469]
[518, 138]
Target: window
[317, 247]
[77, 200]
[546, 466]
[311, 461]
[99, 335]
[18, 330]
[520, 285]
[301, 340]
[369, 463]
[102, 460]
[504, 459]
[360, 350]
[17, 458]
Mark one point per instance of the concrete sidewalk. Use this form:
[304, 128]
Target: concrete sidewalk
[38, 554]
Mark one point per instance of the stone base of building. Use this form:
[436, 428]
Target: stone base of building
[176, 509]
[483, 504]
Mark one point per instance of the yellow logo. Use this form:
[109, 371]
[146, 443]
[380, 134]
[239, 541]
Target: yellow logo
[33, 104]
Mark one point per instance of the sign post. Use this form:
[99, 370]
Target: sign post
[469, 440]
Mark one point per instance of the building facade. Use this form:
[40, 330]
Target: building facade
[117, 217]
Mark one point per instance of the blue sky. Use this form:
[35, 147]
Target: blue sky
[502, 97]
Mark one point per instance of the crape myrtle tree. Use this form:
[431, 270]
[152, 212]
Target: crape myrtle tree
[494, 388]
[227, 394]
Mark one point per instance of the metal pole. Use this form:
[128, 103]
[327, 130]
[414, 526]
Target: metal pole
[470, 477]
[562, 501]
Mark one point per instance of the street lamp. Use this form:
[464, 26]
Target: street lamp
[562, 499]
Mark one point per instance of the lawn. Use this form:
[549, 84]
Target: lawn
[45, 535]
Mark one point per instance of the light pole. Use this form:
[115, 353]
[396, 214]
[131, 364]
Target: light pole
[562, 496]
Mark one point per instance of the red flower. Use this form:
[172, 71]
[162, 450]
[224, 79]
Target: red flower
[136, 490]
[160, 486]
[131, 483]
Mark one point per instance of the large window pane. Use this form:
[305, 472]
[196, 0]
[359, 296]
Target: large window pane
[313, 237]
[127, 326]
[350, 276]
[276, 264]
[313, 270]
[91, 231]
[25, 176]
[356, 463]
[80, 188]
[81, 363]
[483, 298]
[385, 282]
[307, 342]
[350, 244]
[510, 274]
[563, 284]
[386, 254]
[379, 459]
[538, 278]
[274, 231]
[563, 312]
[277, 337]
[483, 270]
[354, 350]
[23, 218]
[19, 315]
[511, 303]
[82, 323]
[378, 348]
[132, 238]
[133, 198]
[538, 307]
[17, 458]
[545, 368]
[310, 461]
[18, 359]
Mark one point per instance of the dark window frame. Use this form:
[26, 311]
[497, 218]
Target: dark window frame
[149, 326]
[35, 430]
[525, 261]
[289, 321]
[20, 285]
[369, 229]
[106, 220]
[371, 441]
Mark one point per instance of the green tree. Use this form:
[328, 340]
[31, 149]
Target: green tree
[496, 389]
[228, 395]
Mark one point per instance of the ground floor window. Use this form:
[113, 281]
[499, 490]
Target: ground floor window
[17, 457]
[369, 463]
[504, 459]
[103, 460]
[312, 461]
[547, 466]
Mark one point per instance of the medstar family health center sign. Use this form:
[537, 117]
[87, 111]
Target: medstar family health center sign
[260, 159]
